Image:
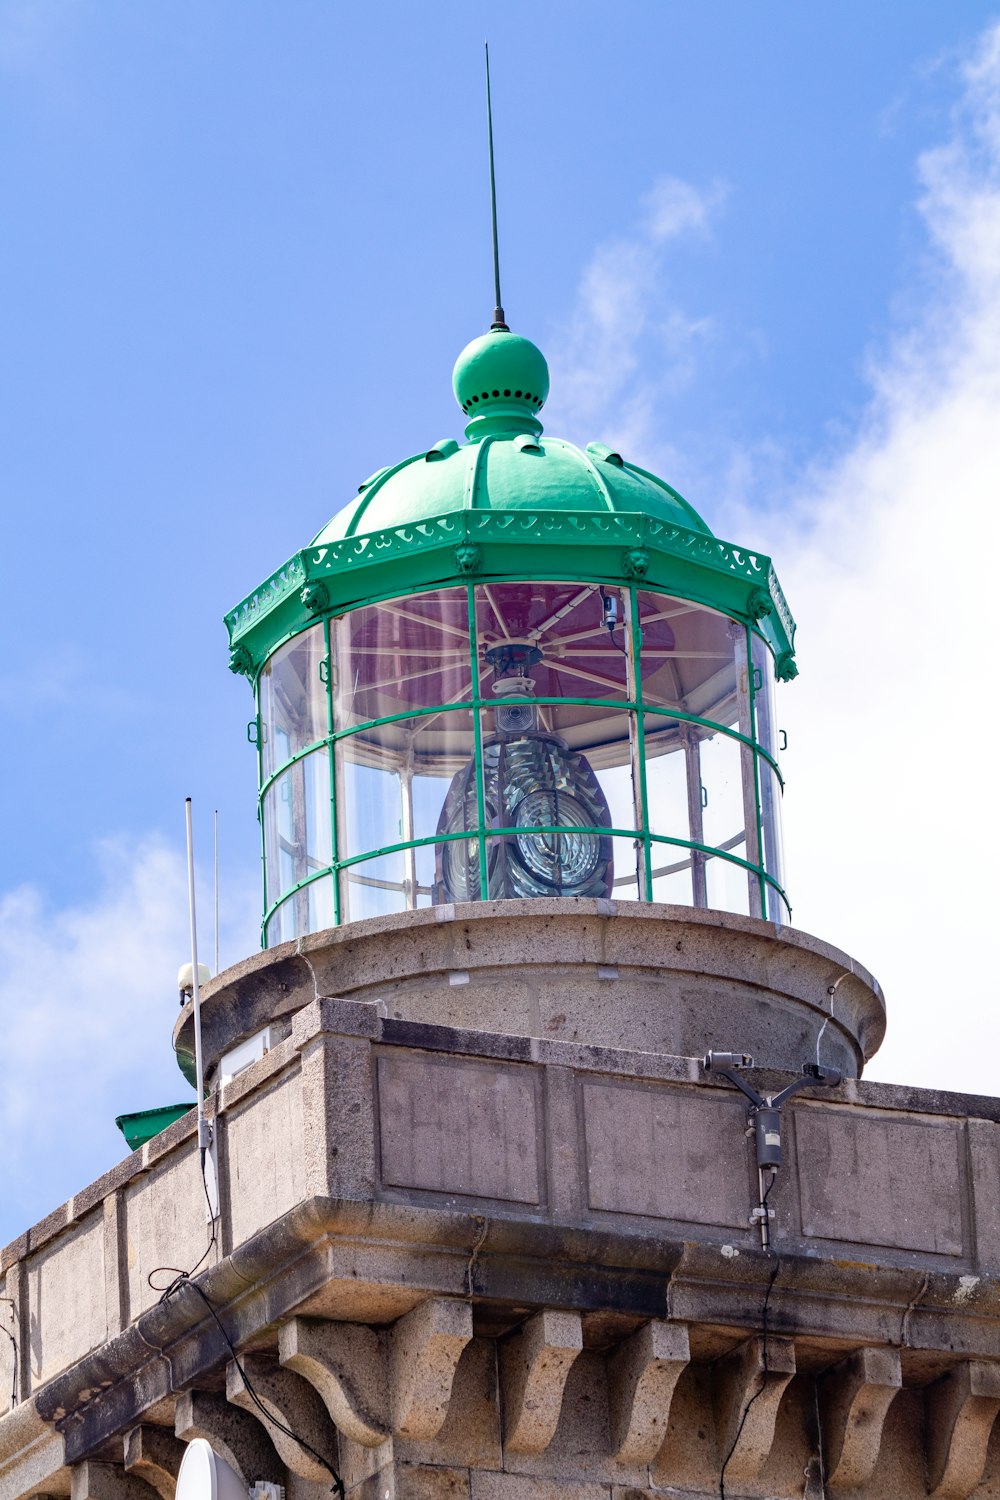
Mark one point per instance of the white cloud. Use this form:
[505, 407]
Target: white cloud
[889, 555]
[88, 998]
[893, 810]
[621, 314]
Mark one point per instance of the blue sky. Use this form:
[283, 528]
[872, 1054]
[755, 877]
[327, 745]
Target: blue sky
[242, 246]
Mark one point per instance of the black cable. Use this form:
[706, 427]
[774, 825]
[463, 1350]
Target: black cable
[763, 1382]
[337, 1487]
[183, 1278]
[13, 1384]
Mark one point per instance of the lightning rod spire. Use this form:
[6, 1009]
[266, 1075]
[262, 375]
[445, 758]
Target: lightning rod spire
[499, 324]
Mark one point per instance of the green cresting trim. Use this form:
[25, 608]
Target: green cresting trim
[496, 546]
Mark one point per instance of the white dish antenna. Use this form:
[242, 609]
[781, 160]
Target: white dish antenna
[203, 1475]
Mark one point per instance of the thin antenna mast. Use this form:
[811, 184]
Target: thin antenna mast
[216, 970]
[499, 324]
[205, 1136]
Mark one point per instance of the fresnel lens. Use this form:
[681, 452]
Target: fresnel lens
[541, 797]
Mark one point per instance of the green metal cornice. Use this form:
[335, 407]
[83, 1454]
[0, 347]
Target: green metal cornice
[609, 547]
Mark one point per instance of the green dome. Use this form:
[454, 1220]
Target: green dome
[513, 470]
[509, 503]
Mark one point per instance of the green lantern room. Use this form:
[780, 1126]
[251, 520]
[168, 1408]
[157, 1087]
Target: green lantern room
[512, 667]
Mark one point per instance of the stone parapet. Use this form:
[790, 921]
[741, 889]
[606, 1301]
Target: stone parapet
[660, 979]
[520, 1266]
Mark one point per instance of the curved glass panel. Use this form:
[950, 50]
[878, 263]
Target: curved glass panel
[506, 740]
[298, 829]
[401, 655]
[293, 699]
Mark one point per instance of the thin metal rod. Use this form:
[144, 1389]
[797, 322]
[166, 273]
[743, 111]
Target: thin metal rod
[216, 831]
[195, 987]
[499, 320]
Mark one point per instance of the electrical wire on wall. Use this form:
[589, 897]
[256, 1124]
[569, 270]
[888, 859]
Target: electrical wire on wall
[9, 1302]
[775, 1268]
[180, 1279]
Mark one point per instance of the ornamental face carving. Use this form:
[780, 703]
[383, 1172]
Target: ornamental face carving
[635, 562]
[759, 604]
[785, 668]
[315, 597]
[240, 661]
[468, 558]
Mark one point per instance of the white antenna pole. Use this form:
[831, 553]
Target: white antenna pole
[216, 890]
[204, 1135]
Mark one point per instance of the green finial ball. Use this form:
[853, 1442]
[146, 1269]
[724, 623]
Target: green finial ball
[501, 374]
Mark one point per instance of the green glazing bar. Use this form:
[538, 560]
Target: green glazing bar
[260, 809]
[618, 704]
[328, 643]
[761, 840]
[444, 838]
[633, 626]
[477, 733]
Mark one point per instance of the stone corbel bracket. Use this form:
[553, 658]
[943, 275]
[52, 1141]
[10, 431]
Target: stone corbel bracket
[154, 1455]
[855, 1397]
[534, 1365]
[290, 1404]
[96, 1481]
[377, 1385]
[747, 1392]
[240, 1439]
[960, 1412]
[642, 1374]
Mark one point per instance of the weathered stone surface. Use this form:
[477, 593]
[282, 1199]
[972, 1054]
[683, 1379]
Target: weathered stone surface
[239, 1438]
[154, 1455]
[658, 1151]
[960, 1413]
[344, 1363]
[265, 1174]
[642, 1374]
[534, 1364]
[747, 1391]
[166, 1224]
[856, 1396]
[289, 1405]
[459, 1127]
[422, 1354]
[73, 1324]
[880, 1181]
[684, 979]
[95, 1481]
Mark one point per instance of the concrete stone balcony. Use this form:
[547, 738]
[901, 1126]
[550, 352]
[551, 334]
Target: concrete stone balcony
[505, 1265]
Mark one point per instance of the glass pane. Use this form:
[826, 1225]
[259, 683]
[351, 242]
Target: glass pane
[628, 869]
[764, 708]
[671, 750]
[567, 640]
[672, 873]
[687, 657]
[770, 804]
[408, 780]
[293, 706]
[309, 910]
[721, 758]
[728, 888]
[374, 887]
[297, 827]
[401, 655]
